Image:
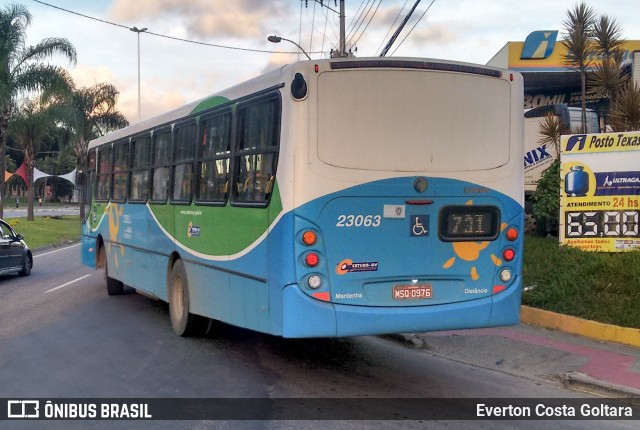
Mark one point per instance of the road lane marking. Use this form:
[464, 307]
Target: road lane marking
[69, 283]
[56, 250]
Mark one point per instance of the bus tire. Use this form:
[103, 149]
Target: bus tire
[114, 287]
[183, 322]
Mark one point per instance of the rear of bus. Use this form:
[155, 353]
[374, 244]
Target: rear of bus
[408, 196]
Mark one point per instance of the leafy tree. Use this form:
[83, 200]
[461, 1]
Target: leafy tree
[546, 198]
[29, 125]
[22, 70]
[579, 28]
[607, 79]
[625, 111]
[91, 112]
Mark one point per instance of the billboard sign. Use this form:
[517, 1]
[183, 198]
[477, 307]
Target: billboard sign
[600, 191]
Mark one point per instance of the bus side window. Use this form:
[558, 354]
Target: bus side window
[182, 170]
[161, 160]
[258, 140]
[120, 171]
[139, 186]
[213, 164]
[103, 184]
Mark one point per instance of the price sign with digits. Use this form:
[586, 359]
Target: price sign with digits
[618, 224]
[600, 191]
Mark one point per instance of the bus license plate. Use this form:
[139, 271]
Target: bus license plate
[412, 291]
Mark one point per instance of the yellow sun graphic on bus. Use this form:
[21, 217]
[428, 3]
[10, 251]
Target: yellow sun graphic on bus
[471, 251]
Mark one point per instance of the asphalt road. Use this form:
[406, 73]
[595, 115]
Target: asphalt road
[61, 336]
[21, 212]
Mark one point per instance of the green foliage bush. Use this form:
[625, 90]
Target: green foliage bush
[546, 198]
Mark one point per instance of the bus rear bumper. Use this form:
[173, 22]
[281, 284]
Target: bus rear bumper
[304, 316]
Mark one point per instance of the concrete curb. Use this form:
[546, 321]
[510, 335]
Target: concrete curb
[578, 381]
[579, 326]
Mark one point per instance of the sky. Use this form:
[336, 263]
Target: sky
[173, 72]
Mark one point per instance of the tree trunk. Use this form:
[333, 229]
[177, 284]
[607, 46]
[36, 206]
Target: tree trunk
[4, 125]
[29, 159]
[583, 78]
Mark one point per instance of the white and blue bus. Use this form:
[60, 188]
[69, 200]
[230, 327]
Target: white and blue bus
[336, 197]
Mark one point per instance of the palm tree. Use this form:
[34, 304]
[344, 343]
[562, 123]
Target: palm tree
[22, 70]
[625, 110]
[28, 126]
[546, 198]
[579, 27]
[551, 130]
[607, 78]
[92, 112]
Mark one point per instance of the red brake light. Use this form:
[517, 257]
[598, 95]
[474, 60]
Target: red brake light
[311, 259]
[509, 254]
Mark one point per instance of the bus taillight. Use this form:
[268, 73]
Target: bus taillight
[314, 281]
[309, 237]
[509, 254]
[311, 259]
[505, 275]
[512, 234]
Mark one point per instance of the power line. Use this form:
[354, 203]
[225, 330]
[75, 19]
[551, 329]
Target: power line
[355, 15]
[394, 23]
[414, 26]
[366, 26]
[179, 39]
[358, 23]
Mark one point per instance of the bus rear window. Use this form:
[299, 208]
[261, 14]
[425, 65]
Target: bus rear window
[413, 121]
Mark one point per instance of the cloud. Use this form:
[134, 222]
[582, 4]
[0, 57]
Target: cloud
[205, 18]
[277, 60]
[86, 76]
[433, 34]
[156, 96]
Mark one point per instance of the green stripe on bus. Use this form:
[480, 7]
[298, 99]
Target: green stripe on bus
[209, 103]
[217, 231]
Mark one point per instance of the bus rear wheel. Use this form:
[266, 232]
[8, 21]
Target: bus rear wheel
[184, 323]
[114, 287]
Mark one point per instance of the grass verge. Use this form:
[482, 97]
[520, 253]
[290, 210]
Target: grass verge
[603, 287]
[46, 231]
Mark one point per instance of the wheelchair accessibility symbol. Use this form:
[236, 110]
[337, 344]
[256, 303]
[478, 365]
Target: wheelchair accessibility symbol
[419, 226]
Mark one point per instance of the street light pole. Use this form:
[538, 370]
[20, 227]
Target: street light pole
[278, 39]
[138, 31]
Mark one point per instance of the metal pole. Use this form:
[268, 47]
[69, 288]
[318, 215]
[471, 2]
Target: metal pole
[139, 30]
[343, 47]
[397, 33]
[278, 39]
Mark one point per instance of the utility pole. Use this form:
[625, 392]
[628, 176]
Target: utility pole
[397, 33]
[138, 31]
[343, 43]
[341, 52]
